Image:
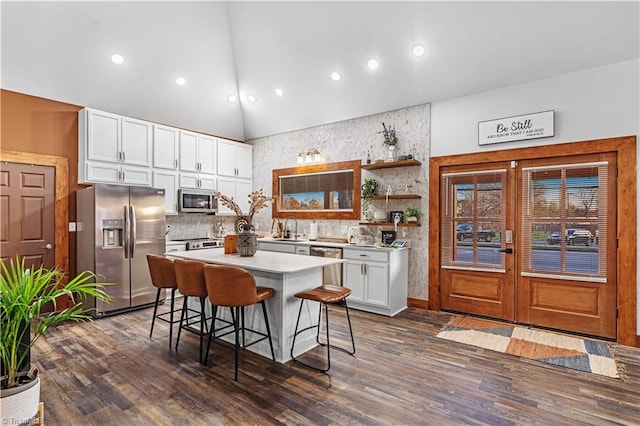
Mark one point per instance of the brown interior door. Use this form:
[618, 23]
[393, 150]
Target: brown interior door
[27, 213]
[477, 261]
[567, 245]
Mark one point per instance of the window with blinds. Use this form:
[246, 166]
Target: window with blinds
[564, 221]
[473, 219]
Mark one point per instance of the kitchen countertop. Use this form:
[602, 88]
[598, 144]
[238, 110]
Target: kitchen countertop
[267, 261]
[326, 244]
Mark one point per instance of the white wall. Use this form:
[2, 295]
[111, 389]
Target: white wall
[592, 104]
[597, 103]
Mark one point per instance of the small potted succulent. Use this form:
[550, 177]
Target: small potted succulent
[412, 214]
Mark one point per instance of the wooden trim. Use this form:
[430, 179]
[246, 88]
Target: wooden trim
[62, 197]
[354, 214]
[626, 216]
[417, 303]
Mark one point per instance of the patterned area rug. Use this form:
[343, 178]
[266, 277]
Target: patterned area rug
[557, 349]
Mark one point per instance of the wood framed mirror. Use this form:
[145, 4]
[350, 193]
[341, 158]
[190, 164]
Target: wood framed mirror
[318, 191]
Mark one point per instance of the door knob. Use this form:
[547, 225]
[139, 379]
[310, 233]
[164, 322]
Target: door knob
[48, 246]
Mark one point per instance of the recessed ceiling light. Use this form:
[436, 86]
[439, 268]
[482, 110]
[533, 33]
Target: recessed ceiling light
[335, 76]
[418, 50]
[180, 81]
[279, 92]
[117, 59]
[232, 98]
[373, 64]
[252, 99]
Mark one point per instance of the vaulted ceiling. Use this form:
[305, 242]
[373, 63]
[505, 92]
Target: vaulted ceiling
[62, 51]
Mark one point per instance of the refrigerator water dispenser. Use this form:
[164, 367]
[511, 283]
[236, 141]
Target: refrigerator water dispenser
[112, 230]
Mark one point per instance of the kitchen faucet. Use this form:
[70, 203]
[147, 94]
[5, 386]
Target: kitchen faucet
[287, 230]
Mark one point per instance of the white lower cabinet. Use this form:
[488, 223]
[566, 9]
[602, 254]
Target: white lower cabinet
[377, 278]
[279, 247]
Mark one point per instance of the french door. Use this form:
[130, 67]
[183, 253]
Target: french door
[527, 241]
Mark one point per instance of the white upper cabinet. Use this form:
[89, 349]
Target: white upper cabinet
[197, 153]
[165, 147]
[239, 190]
[105, 139]
[117, 139]
[102, 136]
[167, 180]
[136, 142]
[235, 159]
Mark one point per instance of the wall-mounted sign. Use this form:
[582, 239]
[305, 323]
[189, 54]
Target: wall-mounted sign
[521, 127]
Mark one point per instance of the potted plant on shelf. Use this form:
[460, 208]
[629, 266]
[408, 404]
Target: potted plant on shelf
[369, 189]
[390, 140]
[24, 292]
[413, 214]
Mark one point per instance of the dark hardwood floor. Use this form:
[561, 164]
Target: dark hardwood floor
[109, 372]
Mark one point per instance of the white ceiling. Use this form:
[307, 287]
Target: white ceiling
[62, 50]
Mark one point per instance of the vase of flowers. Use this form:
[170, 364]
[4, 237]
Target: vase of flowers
[247, 244]
[390, 140]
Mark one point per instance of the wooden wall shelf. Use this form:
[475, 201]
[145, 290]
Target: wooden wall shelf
[391, 164]
[398, 197]
[387, 224]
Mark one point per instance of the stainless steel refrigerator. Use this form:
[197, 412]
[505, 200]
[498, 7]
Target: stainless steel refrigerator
[117, 226]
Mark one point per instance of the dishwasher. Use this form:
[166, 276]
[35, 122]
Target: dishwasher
[331, 274]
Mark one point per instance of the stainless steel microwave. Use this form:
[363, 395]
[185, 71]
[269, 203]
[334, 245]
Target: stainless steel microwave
[197, 201]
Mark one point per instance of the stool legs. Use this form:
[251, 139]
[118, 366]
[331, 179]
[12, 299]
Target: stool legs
[237, 317]
[155, 314]
[328, 343]
[204, 329]
[266, 322]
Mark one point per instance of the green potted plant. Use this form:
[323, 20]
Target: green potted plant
[390, 140]
[24, 292]
[369, 189]
[412, 214]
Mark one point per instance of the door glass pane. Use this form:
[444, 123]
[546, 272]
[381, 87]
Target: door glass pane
[564, 209]
[473, 219]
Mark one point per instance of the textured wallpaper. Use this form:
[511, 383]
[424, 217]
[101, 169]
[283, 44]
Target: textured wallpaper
[350, 140]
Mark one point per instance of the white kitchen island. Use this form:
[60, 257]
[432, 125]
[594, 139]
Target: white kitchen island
[287, 274]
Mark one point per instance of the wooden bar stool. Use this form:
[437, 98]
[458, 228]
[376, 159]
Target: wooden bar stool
[235, 288]
[163, 276]
[190, 278]
[326, 295]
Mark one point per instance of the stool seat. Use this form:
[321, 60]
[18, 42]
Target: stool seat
[264, 293]
[325, 294]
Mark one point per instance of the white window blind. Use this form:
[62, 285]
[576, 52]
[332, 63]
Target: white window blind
[564, 221]
[473, 219]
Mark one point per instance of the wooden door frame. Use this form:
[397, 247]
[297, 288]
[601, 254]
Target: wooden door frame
[60, 164]
[626, 216]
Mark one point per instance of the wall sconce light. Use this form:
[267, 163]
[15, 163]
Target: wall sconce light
[310, 156]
